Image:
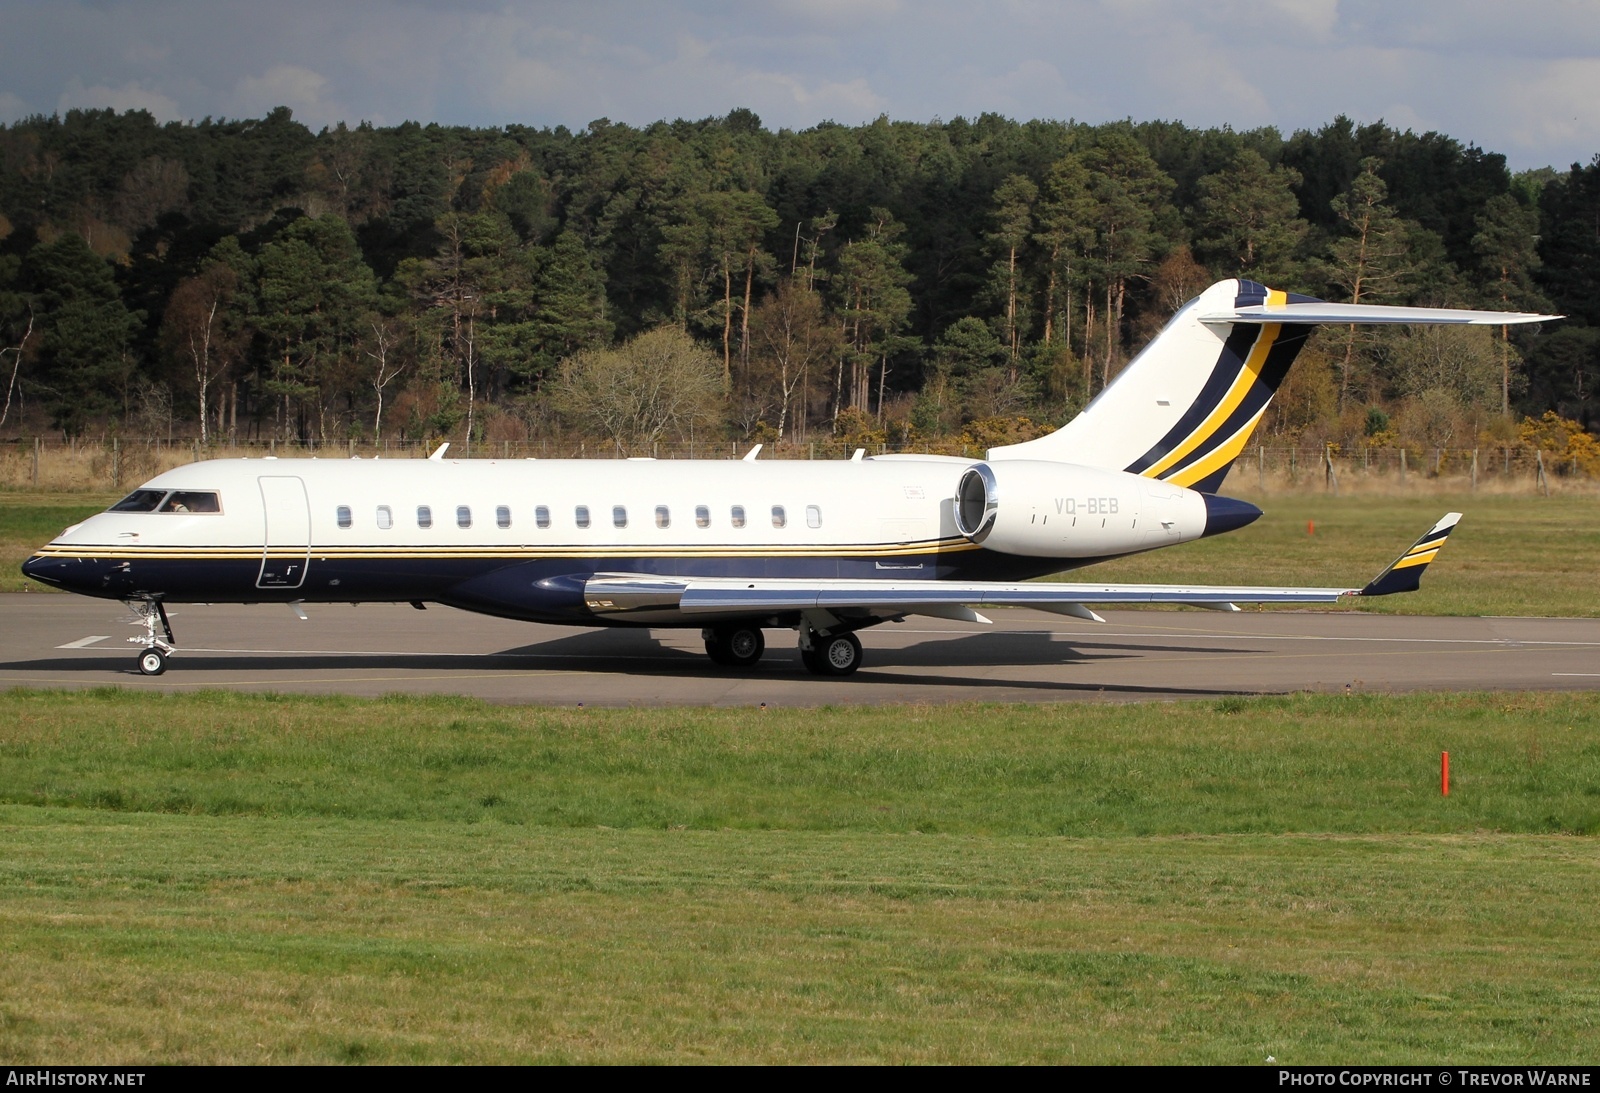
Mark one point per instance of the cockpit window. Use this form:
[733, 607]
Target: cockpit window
[139, 501]
[191, 501]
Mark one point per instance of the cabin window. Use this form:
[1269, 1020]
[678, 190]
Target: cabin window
[779, 517]
[663, 517]
[702, 516]
[736, 516]
[139, 501]
[385, 517]
[343, 514]
[463, 516]
[541, 516]
[191, 501]
[581, 514]
[619, 516]
[502, 516]
[424, 516]
[813, 516]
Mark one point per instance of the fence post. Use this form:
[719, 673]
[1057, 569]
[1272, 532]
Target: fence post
[36, 461]
[1331, 478]
[1402, 466]
[1474, 470]
[1261, 466]
[116, 464]
[1540, 482]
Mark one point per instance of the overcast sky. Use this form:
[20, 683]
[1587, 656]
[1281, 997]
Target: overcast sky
[1522, 78]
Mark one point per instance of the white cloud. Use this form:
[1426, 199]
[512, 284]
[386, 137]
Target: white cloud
[1550, 105]
[300, 89]
[1318, 17]
[12, 107]
[130, 96]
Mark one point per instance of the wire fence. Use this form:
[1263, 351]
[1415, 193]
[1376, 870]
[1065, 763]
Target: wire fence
[114, 463]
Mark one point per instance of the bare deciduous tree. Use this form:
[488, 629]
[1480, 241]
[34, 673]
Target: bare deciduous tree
[191, 329]
[389, 367]
[659, 383]
[16, 365]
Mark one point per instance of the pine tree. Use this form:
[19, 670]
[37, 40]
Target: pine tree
[85, 329]
[570, 311]
[1370, 262]
[1013, 220]
[1507, 245]
[1247, 218]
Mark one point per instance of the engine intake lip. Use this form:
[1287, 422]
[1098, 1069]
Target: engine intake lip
[977, 502]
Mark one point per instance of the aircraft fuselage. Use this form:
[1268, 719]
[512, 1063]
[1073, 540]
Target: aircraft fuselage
[519, 538]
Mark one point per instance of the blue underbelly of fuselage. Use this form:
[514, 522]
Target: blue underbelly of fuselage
[539, 589]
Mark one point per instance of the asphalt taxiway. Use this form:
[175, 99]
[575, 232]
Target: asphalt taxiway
[53, 640]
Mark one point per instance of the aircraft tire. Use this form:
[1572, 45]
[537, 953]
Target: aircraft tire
[152, 662]
[839, 655]
[736, 646]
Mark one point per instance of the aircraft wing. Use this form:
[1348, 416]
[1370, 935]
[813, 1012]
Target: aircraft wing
[957, 599]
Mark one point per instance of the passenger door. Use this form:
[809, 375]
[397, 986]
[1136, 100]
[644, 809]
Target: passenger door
[286, 538]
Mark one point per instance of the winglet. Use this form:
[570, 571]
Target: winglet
[1405, 572]
[750, 456]
[438, 453]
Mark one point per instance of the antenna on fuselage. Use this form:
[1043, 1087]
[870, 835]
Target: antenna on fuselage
[438, 453]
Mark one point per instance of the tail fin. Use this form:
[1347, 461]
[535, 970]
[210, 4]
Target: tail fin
[1185, 407]
[1405, 572]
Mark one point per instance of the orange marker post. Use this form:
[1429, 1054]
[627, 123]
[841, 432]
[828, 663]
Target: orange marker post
[1444, 774]
[1311, 527]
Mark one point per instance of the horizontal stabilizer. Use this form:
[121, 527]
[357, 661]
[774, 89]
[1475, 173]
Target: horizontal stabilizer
[1405, 572]
[1316, 311]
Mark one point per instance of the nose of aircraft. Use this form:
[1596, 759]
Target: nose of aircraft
[1227, 514]
[47, 570]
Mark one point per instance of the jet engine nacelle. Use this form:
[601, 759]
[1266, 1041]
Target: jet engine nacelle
[1061, 510]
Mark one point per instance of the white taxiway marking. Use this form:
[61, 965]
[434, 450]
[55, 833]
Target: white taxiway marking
[1583, 675]
[83, 643]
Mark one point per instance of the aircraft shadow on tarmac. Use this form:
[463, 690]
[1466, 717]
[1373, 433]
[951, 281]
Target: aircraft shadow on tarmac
[641, 652]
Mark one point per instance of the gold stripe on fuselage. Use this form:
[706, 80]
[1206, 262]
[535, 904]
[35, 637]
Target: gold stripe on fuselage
[411, 553]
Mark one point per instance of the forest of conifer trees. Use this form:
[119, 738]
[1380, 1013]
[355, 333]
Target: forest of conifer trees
[909, 282]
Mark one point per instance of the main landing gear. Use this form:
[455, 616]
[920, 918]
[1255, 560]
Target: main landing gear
[734, 645]
[829, 655]
[740, 645]
[157, 648]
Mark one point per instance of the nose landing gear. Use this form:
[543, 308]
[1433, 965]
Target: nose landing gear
[157, 648]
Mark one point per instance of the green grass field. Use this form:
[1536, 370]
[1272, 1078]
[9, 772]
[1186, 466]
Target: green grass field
[29, 520]
[240, 878]
[1511, 555]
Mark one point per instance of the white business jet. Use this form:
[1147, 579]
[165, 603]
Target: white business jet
[735, 547]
